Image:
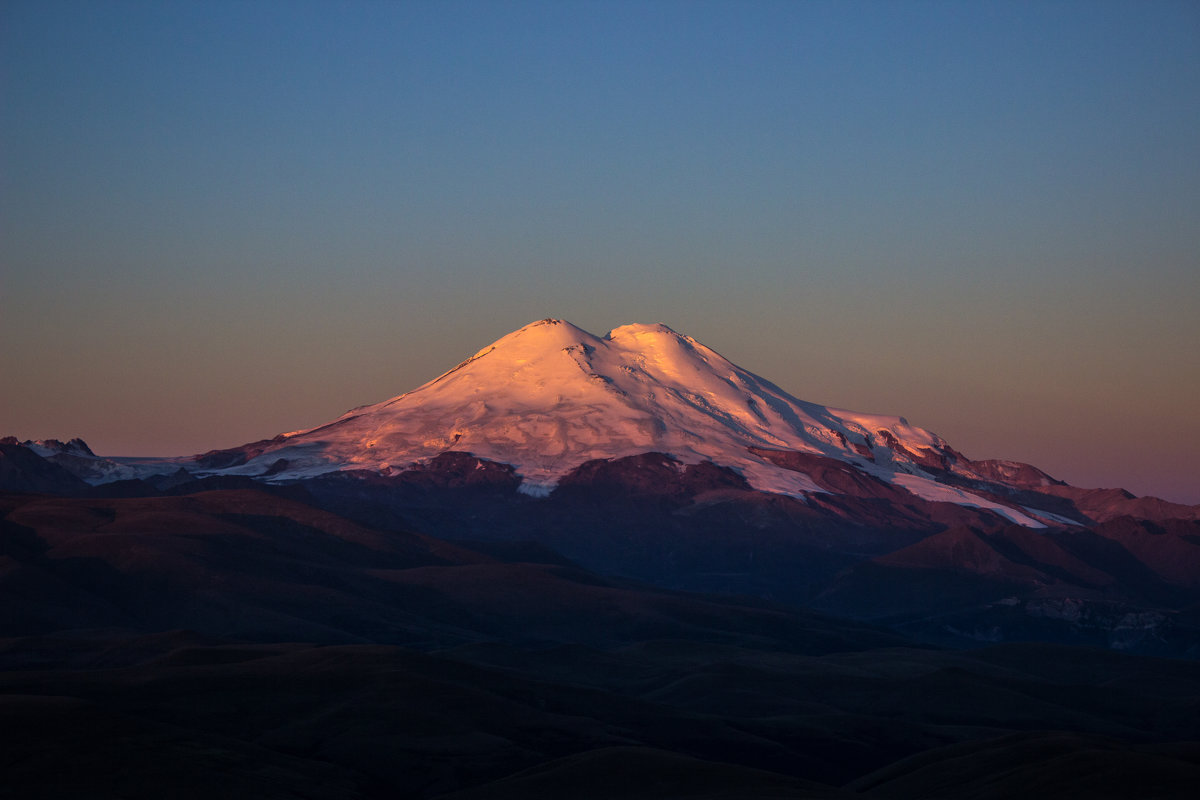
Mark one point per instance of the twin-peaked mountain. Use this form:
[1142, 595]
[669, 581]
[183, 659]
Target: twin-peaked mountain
[550, 397]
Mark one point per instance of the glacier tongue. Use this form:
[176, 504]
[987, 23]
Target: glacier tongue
[551, 396]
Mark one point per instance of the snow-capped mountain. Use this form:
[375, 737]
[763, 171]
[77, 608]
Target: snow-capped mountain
[77, 458]
[646, 455]
[550, 397]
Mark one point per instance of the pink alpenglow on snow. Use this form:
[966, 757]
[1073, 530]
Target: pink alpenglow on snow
[550, 396]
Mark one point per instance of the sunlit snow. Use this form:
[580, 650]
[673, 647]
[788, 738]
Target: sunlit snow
[550, 396]
[940, 492]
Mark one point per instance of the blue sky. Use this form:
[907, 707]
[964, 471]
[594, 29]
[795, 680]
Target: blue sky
[222, 220]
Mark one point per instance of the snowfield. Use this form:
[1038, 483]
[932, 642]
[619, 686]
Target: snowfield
[551, 396]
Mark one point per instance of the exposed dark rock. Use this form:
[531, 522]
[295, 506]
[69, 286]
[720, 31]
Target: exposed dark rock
[235, 456]
[177, 478]
[455, 470]
[1013, 473]
[652, 474]
[22, 470]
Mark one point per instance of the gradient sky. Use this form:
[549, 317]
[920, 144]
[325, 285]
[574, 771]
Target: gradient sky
[224, 220]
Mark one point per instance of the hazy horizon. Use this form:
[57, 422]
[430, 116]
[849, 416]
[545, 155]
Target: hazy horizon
[221, 221]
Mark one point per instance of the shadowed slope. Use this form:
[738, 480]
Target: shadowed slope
[252, 565]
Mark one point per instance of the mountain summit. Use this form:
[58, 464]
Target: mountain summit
[550, 396]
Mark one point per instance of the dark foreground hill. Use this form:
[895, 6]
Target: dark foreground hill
[240, 643]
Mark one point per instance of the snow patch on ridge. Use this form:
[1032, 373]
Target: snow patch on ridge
[928, 489]
[533, 489]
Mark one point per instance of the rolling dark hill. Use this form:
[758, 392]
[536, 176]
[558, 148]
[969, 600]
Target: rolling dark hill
[242, 643]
